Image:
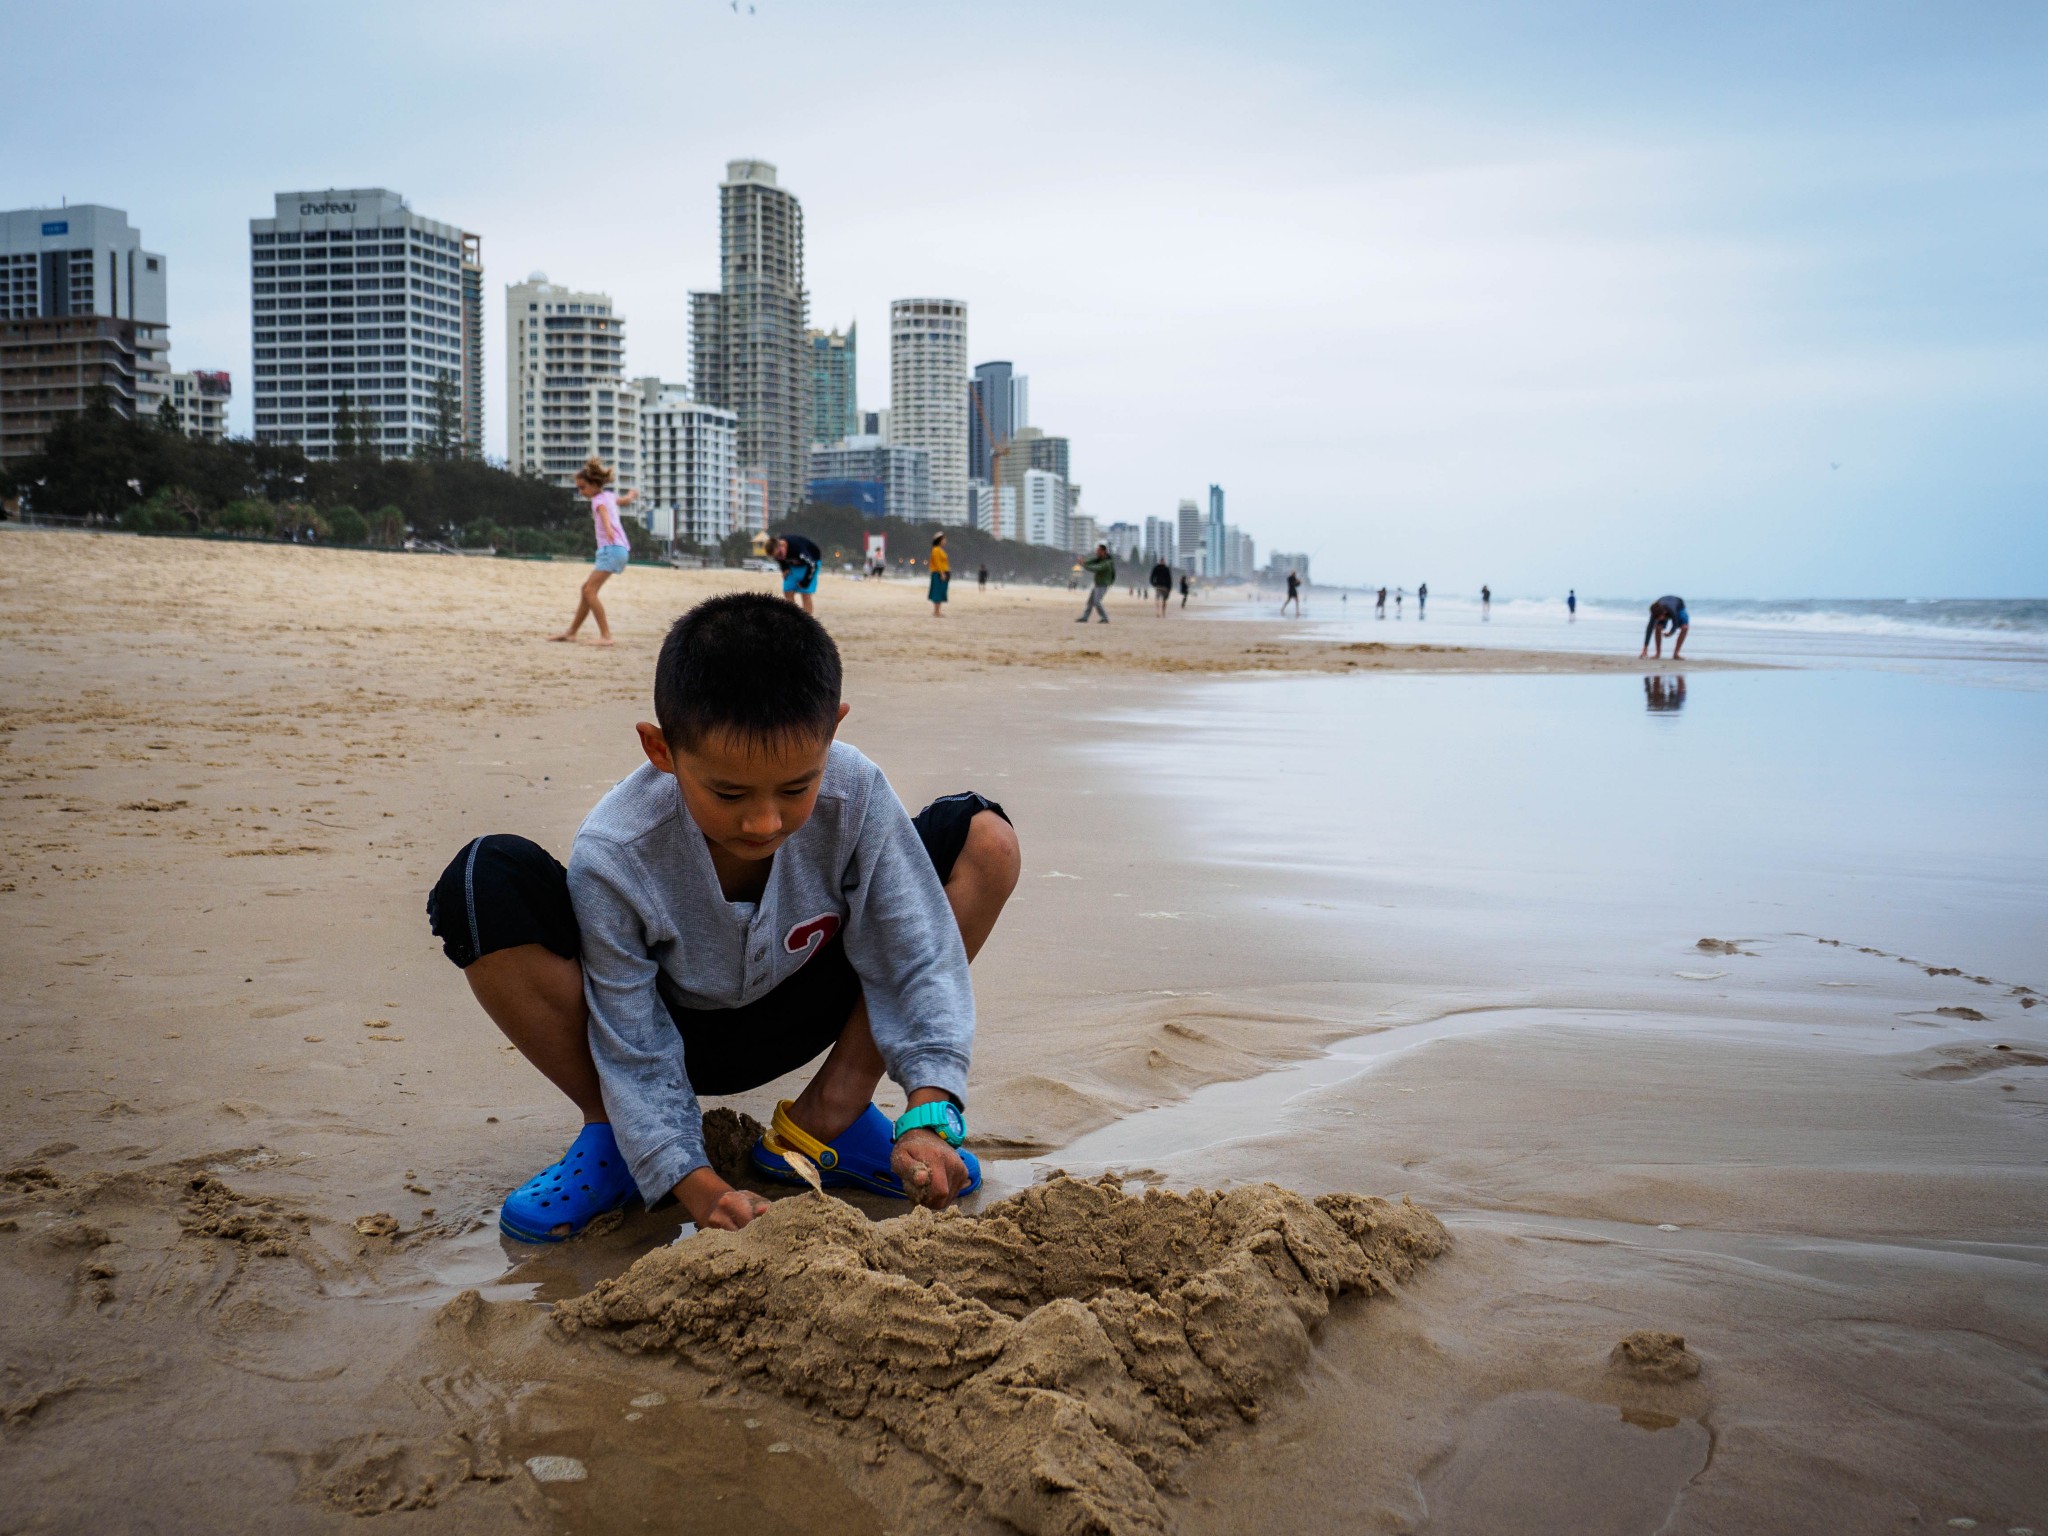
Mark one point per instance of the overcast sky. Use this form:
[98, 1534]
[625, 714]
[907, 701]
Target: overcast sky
[1729, 299]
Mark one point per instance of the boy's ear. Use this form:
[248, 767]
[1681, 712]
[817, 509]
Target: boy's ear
[840, 719]
[655, 745]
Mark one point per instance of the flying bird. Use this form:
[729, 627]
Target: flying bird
[1833, 465]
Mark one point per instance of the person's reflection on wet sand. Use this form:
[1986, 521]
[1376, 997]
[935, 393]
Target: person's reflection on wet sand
[1664, 695]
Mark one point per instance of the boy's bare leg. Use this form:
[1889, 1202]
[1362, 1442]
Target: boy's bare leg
[535, 997]
[1678, 645]
[983, 877]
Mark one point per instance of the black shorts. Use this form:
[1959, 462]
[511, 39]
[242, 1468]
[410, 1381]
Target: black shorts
[501, 891]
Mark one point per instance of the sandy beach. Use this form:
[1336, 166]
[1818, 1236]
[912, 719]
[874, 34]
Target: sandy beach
[1802, 1129]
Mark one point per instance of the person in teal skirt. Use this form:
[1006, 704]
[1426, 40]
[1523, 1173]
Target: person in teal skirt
[942, 575]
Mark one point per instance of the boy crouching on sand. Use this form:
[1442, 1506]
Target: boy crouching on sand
[752, 896]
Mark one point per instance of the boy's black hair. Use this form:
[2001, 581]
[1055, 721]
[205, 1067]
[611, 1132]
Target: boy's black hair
[754, 667]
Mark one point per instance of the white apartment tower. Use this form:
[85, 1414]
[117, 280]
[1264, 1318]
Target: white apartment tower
[359, 303]
[82, 307]
[1191, 539]
[928, 396]
[687, 468]
[566, 394]
[749, 349]
[1045, 510]
[201, 401]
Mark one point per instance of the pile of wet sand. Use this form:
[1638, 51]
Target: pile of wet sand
[1059, 1354]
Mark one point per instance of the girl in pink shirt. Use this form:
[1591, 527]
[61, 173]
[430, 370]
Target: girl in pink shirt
[593, 482]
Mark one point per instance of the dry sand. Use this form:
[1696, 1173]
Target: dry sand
[239, 1226]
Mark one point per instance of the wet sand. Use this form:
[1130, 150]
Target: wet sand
[231, 773]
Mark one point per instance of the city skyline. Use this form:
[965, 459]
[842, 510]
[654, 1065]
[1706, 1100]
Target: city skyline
[1617, 301]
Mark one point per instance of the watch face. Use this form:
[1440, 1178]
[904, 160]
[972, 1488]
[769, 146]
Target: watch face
[956, 1124]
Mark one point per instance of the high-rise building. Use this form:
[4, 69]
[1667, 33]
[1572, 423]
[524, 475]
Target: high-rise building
[473, 346]
[686, 469]
[747, 340]
[82, 306]
[358, 305]
[1159, 540]
[566, 395]
[982, 498]
[1126, 540]
[995, 411]
[1216, 544]
[1083, 535]
[1240, 562]
[835, 393]
[1044, 509]
[1189, 537]
[1279, 565]
[928, 395]
[201, 401]
[902, 476]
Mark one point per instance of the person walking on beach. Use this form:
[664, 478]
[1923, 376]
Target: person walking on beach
[1422, 601]
[1485, 603]
[1399, 593]
[1102, 569]
[942, 575]
[1162, 584]
[799, 559]
[1571, 603]
[1293, 593]
[1183, 589]
[1666, 614]
[593, 484]
[981, 576]
[1379, 605]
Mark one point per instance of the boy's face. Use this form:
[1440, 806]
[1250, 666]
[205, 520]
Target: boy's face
[747, 800]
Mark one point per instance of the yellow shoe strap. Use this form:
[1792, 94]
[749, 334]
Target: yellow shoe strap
[785, 1134]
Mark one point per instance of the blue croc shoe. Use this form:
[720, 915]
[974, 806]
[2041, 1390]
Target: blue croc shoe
[590, 1179]
[858, 1157]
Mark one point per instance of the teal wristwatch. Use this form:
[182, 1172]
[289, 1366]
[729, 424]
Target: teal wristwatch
[943, 1117]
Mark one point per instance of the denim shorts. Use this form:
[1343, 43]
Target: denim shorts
[612, 558]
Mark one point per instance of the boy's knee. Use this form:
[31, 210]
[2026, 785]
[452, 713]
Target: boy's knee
[993, 849]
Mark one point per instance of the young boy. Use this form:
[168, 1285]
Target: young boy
[753, 896]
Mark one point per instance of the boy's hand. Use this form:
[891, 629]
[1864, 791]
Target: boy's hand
[712, 1202]
[931, 1171]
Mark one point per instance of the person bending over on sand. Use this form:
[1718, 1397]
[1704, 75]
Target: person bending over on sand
[1162, 584]
[941, 565]
[593, 483]
[751, 897]
[1101, 570]
[1666, 614]
[799, 559]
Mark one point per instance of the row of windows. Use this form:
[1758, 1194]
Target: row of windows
[428, 244]
[328, 268]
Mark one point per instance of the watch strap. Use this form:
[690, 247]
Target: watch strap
[941, 1116]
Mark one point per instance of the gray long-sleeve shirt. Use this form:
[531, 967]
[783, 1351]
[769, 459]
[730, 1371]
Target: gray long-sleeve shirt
[656, 926]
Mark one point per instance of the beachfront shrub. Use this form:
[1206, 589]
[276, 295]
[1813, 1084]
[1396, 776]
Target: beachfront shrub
[481, 534]
[386, 527]
[171, 510]
[346, 526]
[298, 519]
[245, 519]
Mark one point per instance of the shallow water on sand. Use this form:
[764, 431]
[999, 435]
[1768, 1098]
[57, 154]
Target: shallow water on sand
[1559, 821]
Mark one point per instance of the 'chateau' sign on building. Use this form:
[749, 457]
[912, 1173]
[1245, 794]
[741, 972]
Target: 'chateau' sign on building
[327, 207]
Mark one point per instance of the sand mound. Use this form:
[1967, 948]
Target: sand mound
[1651, 1356]
[1059, 1354]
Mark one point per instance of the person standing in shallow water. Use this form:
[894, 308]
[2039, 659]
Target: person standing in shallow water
[1293, 593]
[1422, 601]
[1666, 615]
[1571, 603]
[942, 576]
[593, 484]
[1486, 602]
